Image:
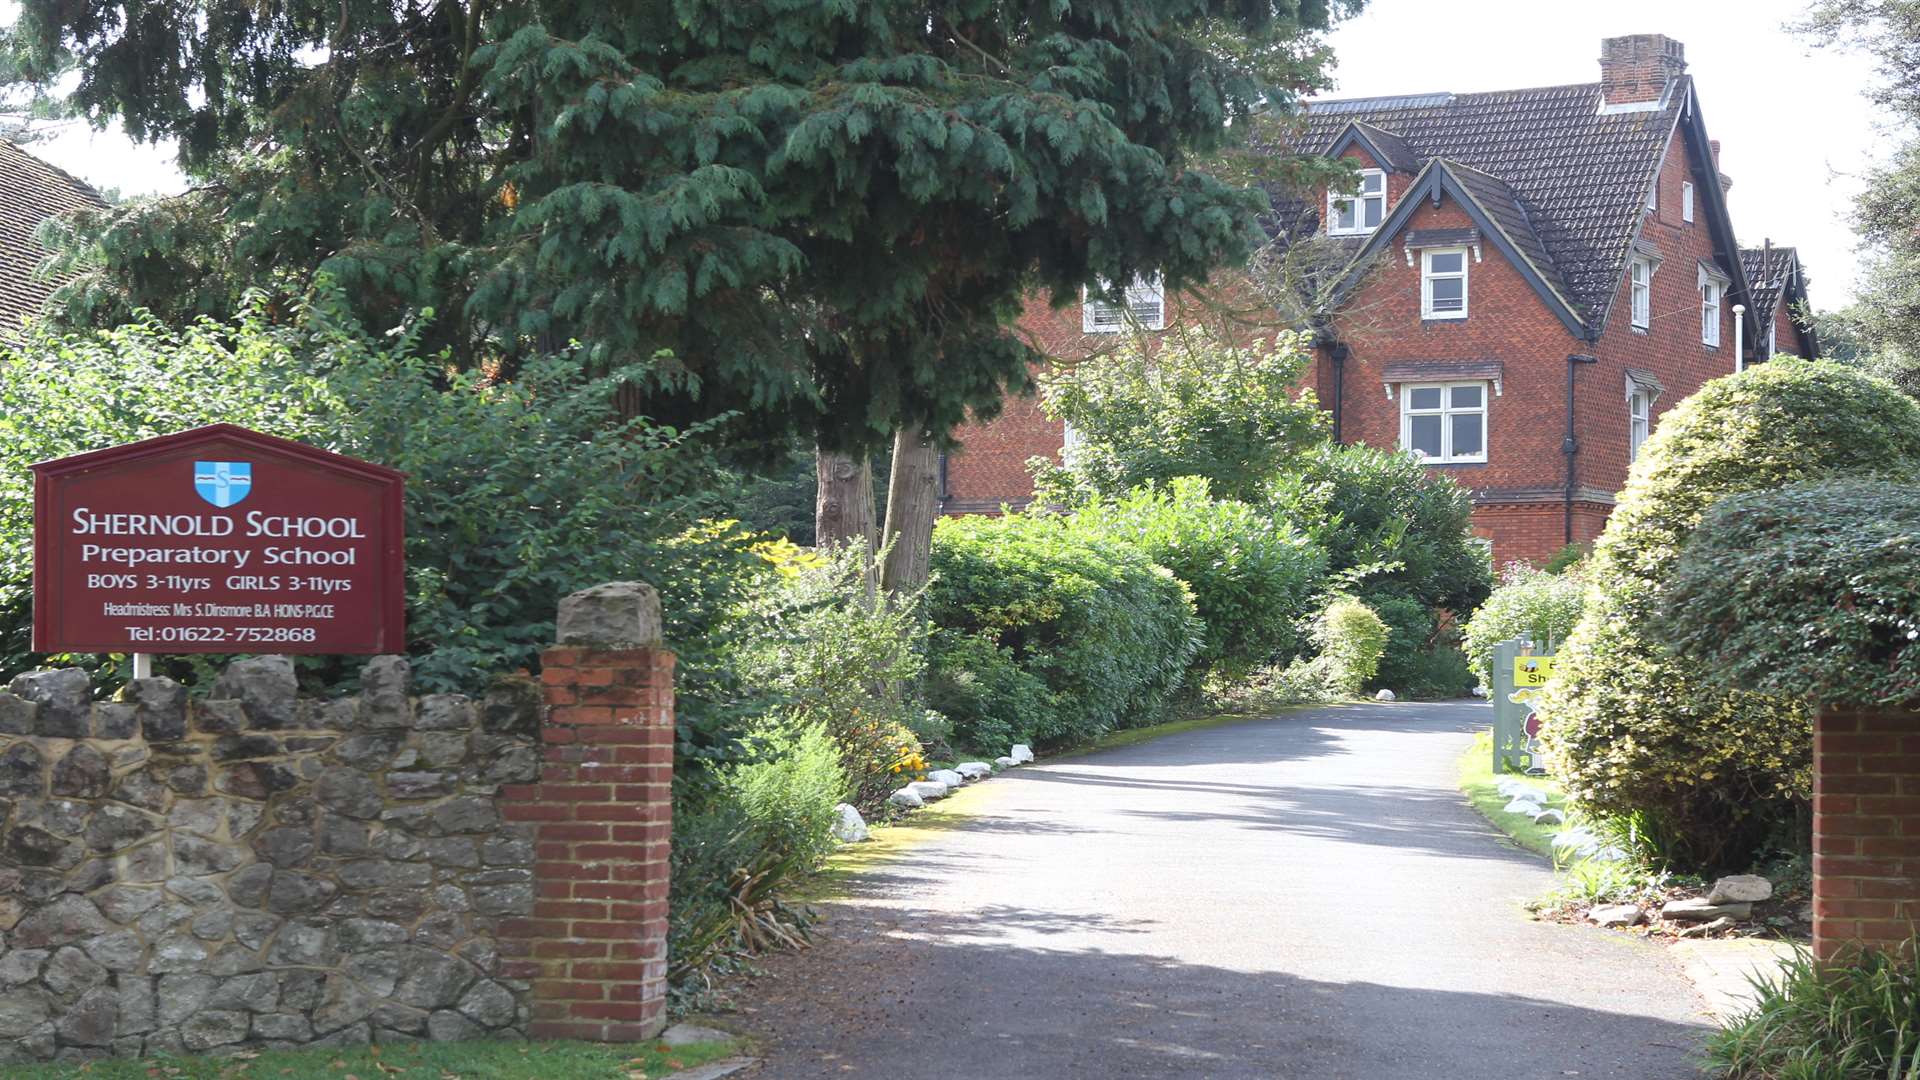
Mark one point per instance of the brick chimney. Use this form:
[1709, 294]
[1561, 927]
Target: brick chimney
[1637, 68]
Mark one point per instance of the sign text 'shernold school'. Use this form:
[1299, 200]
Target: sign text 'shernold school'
[217, 539]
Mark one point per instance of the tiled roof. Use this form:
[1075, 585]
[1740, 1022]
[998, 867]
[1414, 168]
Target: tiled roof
[31, 191]
[1567, 181]
[1767, 270]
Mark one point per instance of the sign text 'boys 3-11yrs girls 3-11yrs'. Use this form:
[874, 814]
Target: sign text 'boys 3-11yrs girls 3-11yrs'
[217, 539]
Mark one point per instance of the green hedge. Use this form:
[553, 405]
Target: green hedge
[1105, 631]
[1811, 591]
[1632, 728]
[1253, 578]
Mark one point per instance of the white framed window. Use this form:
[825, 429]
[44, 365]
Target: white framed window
[1773, 336]
[1361, 211]
[1712, 292]
[1146, 308]
[1641, 272]
[1686, 201]
[1639, 421]
[1444, 422]
[1443, 283]
[1653, 196]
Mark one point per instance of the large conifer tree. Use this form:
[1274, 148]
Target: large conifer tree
[825, 211]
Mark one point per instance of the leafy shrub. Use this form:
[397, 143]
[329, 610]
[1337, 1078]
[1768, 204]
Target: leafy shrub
[1106, 632]
[1828, 1021]
[787, 787]
[1441, 671]
[974, 678]
[1185, 403]
[1350, 638]
[1540, 606]
[1895, 366]
[831, 657]
[1253, 578]
[1809, 591]
[1569, 557]
[1631, 728]
[1388, 524]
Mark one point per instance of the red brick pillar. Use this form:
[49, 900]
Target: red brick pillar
[595, 948]
[1866, 829]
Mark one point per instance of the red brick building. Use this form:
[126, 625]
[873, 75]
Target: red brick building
[1531, 277]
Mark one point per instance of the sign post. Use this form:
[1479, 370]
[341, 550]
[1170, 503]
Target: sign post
[1518, 675]
[219, 540]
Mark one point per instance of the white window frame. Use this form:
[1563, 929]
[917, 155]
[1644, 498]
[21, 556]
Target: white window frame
[1712, 307]
[1653, 196]
[1358, 199]
[1446, 412]
[1639, 420]
[1686, 201]
[1640, 292]
[1427, 277]
[1773, 335]
[1097, 316]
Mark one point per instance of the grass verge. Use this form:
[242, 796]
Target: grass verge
[413, 1061]
[1477, 781]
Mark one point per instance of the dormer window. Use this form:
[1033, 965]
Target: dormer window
[1359, 212]
[1146, 307]
[1443, 283]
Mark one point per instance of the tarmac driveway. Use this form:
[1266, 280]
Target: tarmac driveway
[1307, 896]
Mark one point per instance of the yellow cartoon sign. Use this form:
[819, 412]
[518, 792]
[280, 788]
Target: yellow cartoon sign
[1532, 670]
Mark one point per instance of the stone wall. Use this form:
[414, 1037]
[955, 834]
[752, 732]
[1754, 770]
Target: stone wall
[260, 869]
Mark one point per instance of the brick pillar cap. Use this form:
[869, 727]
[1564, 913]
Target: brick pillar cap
[619, 614]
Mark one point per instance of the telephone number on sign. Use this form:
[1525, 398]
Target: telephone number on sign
[215, 635]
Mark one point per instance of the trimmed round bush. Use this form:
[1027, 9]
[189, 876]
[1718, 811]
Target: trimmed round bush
[1253, 577]
[1541, 607]
[1351, 638]
[1810, 591]
[1104, 630]
[1631, 727]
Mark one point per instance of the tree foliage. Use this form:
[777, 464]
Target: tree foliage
[1629, 726]
[1885, 318]
[1809, 591]
[1187, 403]
[827, 212]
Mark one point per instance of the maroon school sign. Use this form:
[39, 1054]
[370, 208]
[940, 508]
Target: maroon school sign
[218, 539]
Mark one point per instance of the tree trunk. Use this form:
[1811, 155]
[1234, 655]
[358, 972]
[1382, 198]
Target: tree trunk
[843, 506]
[913, 497]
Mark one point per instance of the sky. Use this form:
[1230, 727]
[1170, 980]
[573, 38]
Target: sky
[1795, 130]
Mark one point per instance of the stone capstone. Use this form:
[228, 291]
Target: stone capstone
[266, 688]
[160, 708]
[384, 685]
[618, 614]
[64, 697]
[16, 715]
